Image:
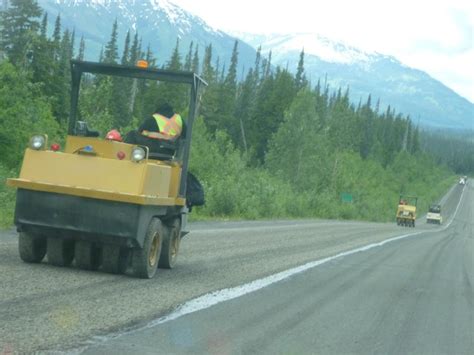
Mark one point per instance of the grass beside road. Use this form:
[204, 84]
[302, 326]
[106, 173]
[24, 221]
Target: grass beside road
[428, 193]
[7, 199]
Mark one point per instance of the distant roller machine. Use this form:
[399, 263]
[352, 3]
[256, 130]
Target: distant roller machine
[406, 211]
[434, 215]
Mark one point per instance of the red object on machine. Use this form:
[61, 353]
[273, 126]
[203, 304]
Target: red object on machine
[114, 135]
[55, 147]
[121, 155]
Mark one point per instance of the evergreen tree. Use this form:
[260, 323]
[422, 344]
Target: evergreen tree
[408, 135]
[377, 106]
[226, 99]
[43, 65]
[258, 59]
[296, 152]
[20, 25]
[44, 26]
[208, 72]
[367, 125]
[300, 78]
[72, 45]
[149, 57]
[223, 71]
[415, 141]
[119, 104]
[274, 96]
[189, 58]
[123, 96]
[136, 101]
[174, 94]
[126, 50]
[57, 37]
[195, 63]
[82, 48]
[66, 51]
[267, 66]
[244, 102]
[209, 104]
[111, 50]
[135, 50]
[231, 78]
[63, 79]
[260, 116]
[175, 61]
[217, 69]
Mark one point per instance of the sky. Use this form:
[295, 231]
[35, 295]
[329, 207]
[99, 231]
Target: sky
[435, 36]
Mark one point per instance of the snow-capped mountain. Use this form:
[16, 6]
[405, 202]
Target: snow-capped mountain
[160, 23]
[313, 44]
[408, 90]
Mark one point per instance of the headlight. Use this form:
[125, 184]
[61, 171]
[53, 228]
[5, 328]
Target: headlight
[37, 142]
[138, 154]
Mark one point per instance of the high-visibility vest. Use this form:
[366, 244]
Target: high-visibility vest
[170, 128]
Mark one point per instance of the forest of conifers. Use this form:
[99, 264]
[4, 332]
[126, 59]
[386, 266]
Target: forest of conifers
[267, 143]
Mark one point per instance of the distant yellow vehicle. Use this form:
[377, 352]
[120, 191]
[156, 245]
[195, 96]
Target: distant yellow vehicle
[104, 203]
[406, 212]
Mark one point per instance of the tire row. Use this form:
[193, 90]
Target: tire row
[160, 249]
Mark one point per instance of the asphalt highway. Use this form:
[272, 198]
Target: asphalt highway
[411, 295]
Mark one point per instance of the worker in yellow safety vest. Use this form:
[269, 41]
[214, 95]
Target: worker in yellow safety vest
[164, 124]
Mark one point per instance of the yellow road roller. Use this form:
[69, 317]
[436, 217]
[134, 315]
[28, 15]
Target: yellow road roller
[406, 211]
[103, 204]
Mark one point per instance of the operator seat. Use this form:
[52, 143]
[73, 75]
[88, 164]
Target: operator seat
[157, 149]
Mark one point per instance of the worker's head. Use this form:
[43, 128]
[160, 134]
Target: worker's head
[113, 135]
[165, 109]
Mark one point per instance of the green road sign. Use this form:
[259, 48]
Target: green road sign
[346, 197]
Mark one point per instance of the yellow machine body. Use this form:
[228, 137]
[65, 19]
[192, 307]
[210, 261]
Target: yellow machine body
[406, 215]
[101, 204]
[406, 211]
[100, 174]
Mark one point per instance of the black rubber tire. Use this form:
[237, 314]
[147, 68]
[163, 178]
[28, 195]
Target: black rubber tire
[145, 260]
[60, 251]
[32, 248]
[87, 255]
[114, 259]
[170, 247]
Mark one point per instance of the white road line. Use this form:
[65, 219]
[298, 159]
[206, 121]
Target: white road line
[457, 208]
[211, 299]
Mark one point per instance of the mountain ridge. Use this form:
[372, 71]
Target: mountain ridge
[411, 91]
[161, 22]
[158, 22]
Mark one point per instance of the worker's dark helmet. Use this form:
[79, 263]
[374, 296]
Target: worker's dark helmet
[165, 109]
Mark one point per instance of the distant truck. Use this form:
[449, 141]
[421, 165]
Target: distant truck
[434, 215]
[462, 180]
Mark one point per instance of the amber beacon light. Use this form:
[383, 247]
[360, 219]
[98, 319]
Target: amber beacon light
[142, 64]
